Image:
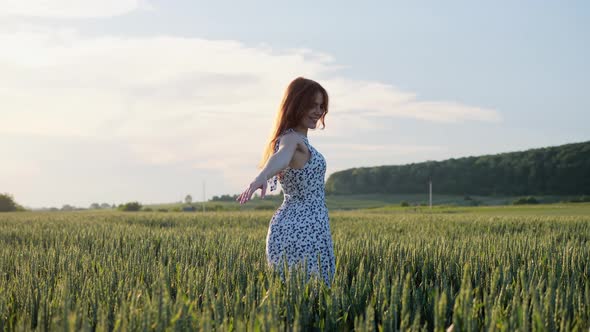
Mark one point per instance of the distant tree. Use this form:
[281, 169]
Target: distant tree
[188, 199]
[404, 203]
[105, 206]
[581, 199]
[95, 206]
[470, 201]
[130, 206]
[7, 203]
[525, 200]
[225, 198]
[67, 207]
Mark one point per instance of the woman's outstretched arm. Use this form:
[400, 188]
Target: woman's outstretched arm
[276, 163]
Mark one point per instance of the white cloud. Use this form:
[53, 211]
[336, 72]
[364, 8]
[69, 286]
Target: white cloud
[378, 99]
[209, 103]
[70, 8]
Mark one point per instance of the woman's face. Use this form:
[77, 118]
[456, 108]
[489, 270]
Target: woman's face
[312, 116]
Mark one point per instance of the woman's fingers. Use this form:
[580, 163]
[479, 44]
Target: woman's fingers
[263, 190]
[242, 196]
[243, 199]
[239, 199]
[246, 195]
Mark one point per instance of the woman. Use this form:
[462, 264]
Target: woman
[299, 229]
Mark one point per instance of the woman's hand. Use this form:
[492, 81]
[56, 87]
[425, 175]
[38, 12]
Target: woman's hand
[259, 182]
[276, 163]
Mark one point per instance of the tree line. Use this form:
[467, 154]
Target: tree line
[557, 170]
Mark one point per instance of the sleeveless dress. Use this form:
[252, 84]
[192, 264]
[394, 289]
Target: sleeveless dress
[299, 230]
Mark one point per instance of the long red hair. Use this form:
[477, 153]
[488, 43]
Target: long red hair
[297, 99]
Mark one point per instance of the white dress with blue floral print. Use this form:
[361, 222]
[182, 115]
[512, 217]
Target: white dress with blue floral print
[299, 229]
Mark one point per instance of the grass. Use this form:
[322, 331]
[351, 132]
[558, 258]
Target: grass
[364, 201]
[478, 268]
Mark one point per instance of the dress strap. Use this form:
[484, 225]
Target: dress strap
[296, 132]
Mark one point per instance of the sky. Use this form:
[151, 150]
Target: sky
[143, 100]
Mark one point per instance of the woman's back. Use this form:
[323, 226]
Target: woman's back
[306, 183]
[300, 227]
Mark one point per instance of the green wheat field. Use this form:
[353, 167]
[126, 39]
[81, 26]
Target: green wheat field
[513, 268]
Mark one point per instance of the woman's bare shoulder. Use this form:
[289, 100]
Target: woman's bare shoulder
[290, 138]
